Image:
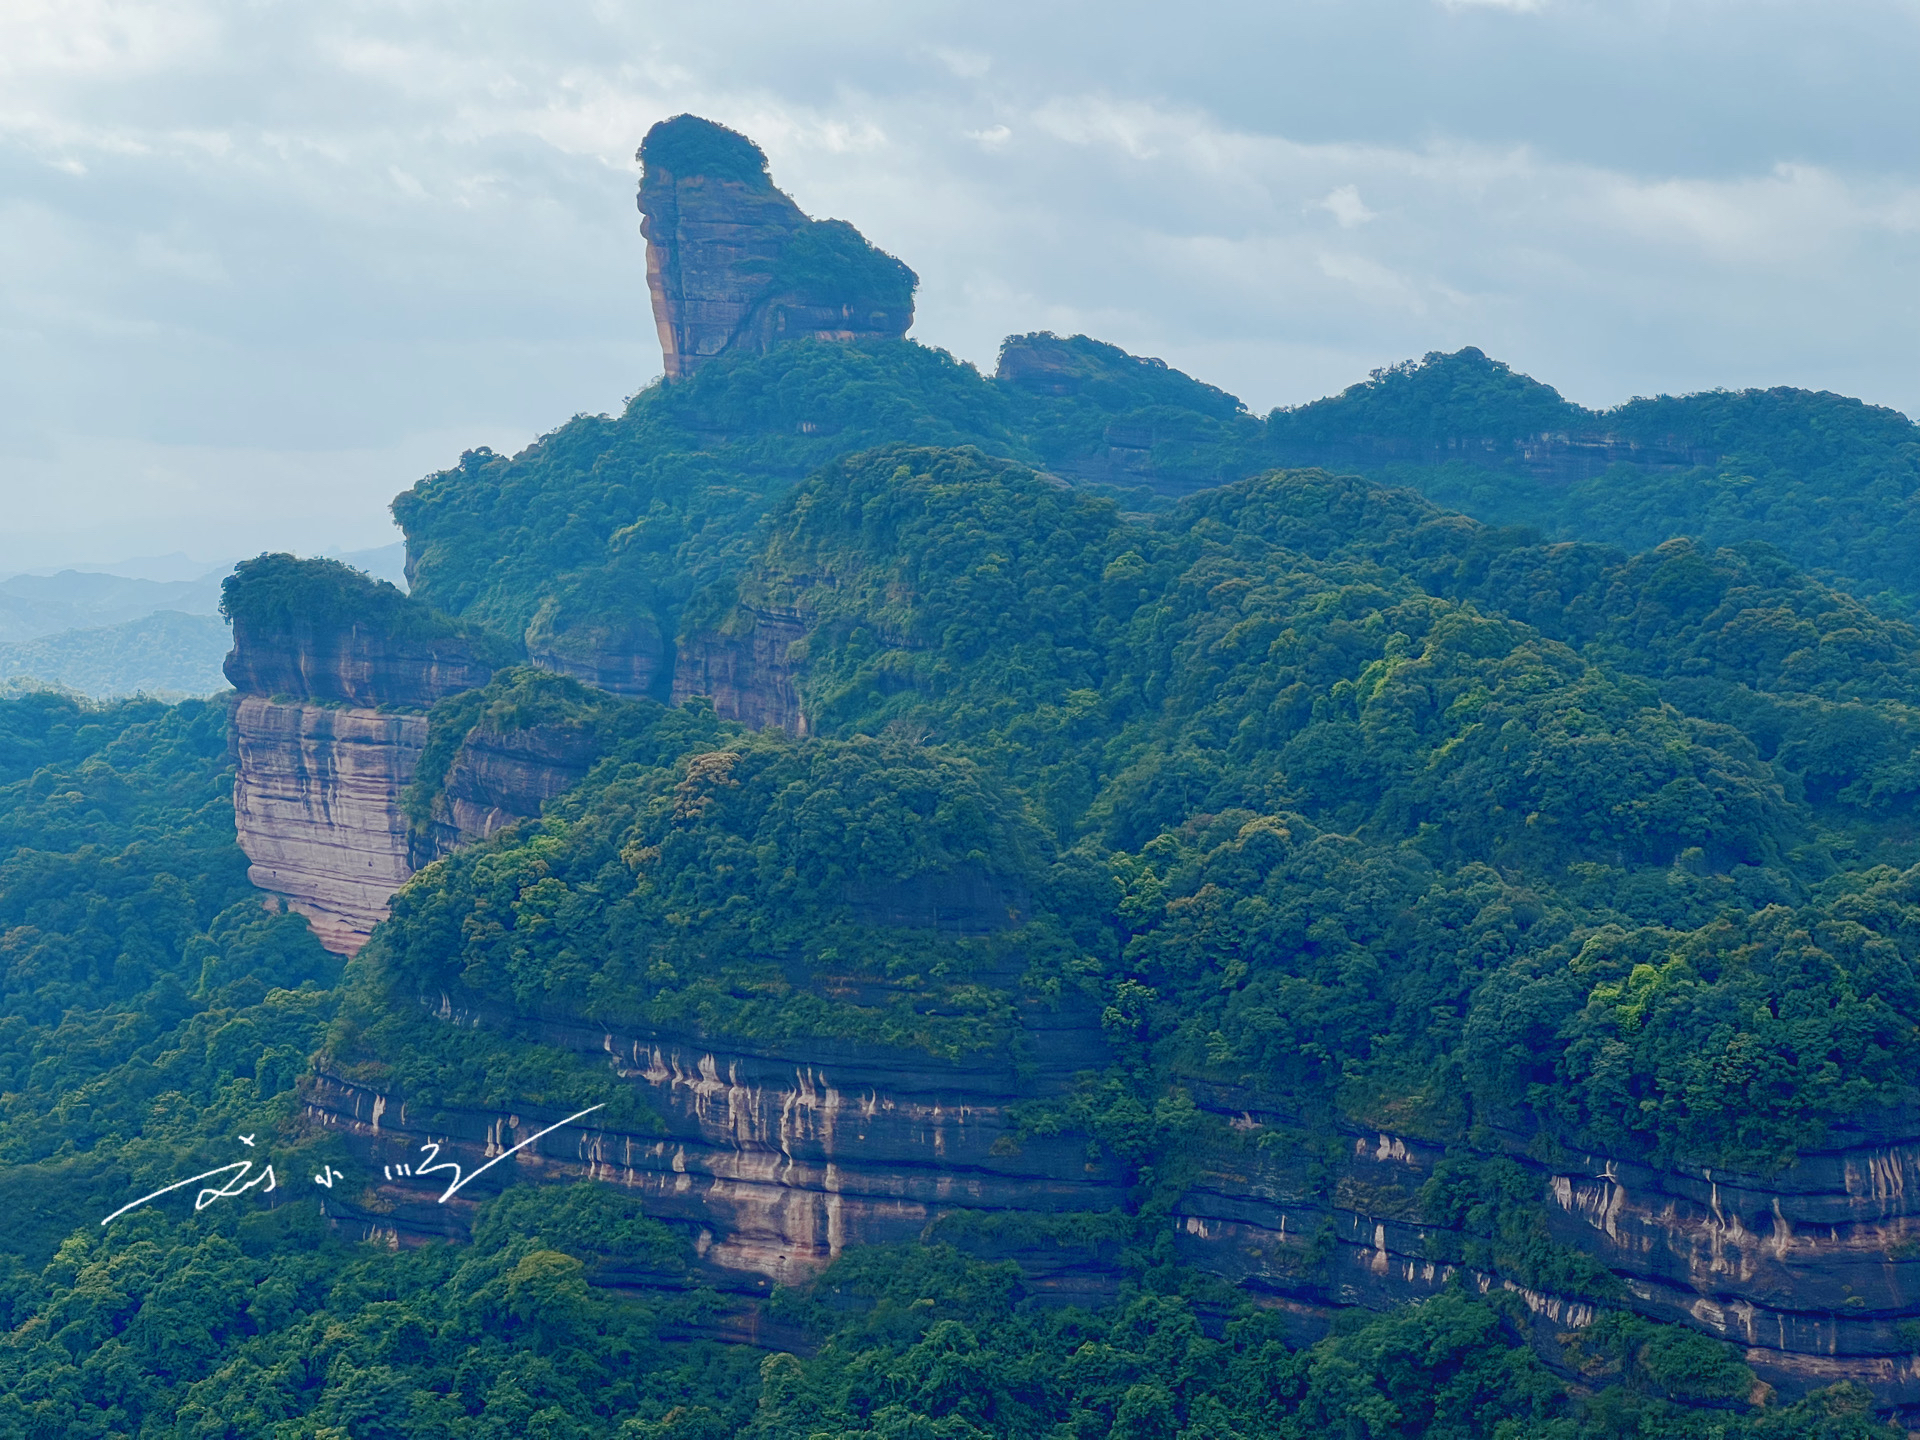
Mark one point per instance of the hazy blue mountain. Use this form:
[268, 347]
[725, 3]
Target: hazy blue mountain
[168, 653]
[36, 605]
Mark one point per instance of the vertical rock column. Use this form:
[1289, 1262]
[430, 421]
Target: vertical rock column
[734, 265]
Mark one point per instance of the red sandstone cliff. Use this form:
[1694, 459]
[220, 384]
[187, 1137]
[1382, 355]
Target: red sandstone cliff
[733, 264]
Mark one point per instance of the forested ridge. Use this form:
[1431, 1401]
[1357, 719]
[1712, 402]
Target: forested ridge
[1585, 827]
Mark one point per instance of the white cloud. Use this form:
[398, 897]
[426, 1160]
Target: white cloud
[379, 234]
[962, 64]
[1343, 202]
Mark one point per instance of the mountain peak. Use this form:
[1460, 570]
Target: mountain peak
[734, 265]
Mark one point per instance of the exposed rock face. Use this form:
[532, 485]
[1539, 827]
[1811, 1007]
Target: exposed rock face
[497, 778]
[1808, 1270]
[623, 656]
[733, 264]
[351, 665]
[317, 797]
[751, 675]
[773, 1159]
[316, 804]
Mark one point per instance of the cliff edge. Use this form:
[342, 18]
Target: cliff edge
[334, 671]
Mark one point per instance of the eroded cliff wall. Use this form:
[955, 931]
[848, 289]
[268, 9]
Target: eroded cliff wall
[771, 1161]
[316, 806]
[498, 777]
[750, 668]
[334, 674]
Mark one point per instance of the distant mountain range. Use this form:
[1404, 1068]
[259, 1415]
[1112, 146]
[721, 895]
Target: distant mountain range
[104, 635]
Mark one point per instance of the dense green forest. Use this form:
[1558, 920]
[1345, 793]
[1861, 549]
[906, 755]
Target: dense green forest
[1831, 482]
[154, 1008]
[1593, 827]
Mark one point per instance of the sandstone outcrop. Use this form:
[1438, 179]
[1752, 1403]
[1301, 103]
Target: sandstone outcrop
[750, 668]
[316, 806]
[317, 802]
[328, 663]
[354, 664]
[623, 654]
[499, 777]
[733, 264]
[772, 1159]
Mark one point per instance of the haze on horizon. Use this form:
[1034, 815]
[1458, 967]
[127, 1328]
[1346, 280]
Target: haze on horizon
[265, 265]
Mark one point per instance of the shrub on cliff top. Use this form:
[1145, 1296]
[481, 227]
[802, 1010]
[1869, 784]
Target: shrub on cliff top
[279, 591]
[283, 594]
[831, 263]
[686, 145]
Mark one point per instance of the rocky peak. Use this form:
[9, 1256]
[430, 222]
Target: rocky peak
[733, 264]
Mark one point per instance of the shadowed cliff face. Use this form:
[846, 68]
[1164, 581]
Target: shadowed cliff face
[746, 668]
[733, 264]
[355, 665]
[497, 778]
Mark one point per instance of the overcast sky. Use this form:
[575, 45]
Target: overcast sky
[264, 264]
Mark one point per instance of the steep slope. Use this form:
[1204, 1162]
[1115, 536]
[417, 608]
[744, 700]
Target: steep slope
[331, 671]
[1299, 884]
[152, 1011]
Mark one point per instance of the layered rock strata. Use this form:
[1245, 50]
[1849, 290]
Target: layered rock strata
[317, 803]
[352, 665]
[1815, 1271]
[316, 806]
[773, 1160]
[733, 264]
[628, 656]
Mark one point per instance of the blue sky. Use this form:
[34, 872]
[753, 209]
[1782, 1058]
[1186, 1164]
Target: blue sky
[263, 264]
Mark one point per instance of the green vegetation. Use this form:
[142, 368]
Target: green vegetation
[167, 654]
[268, 1324]
[1832, 483]
[686, 145]
[148, 1003]
[828, 262]
[153, 1009]
[281, 594]
[1080, 400]
[1462, 396]
[1303, 786]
